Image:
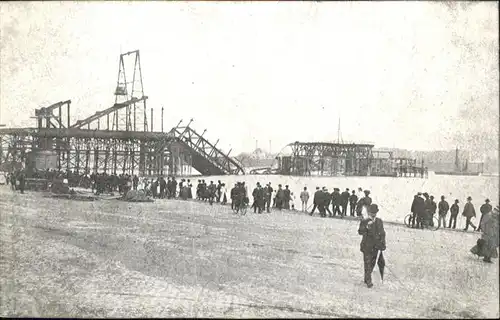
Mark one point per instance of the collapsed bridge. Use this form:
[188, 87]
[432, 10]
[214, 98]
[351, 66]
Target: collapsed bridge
[115, 140]
[344, 159]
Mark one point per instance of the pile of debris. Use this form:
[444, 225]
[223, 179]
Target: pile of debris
[60, 189]
[136, 196]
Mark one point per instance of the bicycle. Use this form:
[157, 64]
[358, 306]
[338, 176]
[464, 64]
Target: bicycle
[433, 227]
[241, 207]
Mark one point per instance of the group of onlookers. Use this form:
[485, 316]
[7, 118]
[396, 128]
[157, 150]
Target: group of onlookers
[356, 201]
[423, 209]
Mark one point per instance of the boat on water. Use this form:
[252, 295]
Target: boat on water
[490, 174]
[459, 171]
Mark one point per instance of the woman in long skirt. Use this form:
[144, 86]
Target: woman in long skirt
[487, 246]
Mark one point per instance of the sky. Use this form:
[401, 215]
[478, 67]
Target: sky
[412, 75]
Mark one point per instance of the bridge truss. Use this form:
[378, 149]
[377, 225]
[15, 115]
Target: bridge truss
[116, 140]
[338, 159]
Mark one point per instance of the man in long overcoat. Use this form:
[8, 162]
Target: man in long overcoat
[469, 212]
[316, 197]
[353, 199]
[485, 208]
[373, 241]
[443, 208]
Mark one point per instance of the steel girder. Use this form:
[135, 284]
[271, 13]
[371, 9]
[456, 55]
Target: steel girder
[82, 155]
[62, 118]
[207, 158]
[331, 158]
[16, 147]
[117, 139]
[132, 156]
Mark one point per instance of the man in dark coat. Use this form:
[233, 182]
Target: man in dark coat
[212, 188]
[154, 188]
[336, 202]
[432, 211]
[260, 199]
[485, 208]
[174, 187]
[443, 208]
[469, 213]
[280, 197]
[315, 200]
[255, 196]
[373, 241]
[163, 187]
[22, 181]
[353, 199]
[418, 210]
[287, 198]
[454, 214]
[427, 209]
[13, 181]
[268, 193]
[327, 199]
[344, 200]
[136, 181]
[219, 191]
[233, 194]
[323, 202]
[189, 190]
[181, 185]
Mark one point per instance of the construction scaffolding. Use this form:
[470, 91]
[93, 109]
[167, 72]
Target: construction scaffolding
[115, 140]
[342, 159]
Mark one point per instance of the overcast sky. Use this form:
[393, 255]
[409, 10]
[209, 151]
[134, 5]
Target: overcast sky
[411, 75]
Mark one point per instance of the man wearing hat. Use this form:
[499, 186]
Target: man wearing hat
[443, 208]
[344, 200]
[316, 197]
[353, 199]
[280, 197]
[268, 193]
[219, 191]
[336, 202]
[372, 230]
[363, 203]
[287, 198]
[485, 208]
[417, 210]
[432, 211]
[454, 209]
[427, 209]
[258, 198]
[469, 212]
[325, 203]
[212, 188]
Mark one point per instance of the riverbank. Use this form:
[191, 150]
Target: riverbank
[183, 259]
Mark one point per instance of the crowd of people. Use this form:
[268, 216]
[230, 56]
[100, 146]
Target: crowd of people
[336, 203]
[356, 203]
[424, 208]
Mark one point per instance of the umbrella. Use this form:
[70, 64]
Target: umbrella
[381, 264]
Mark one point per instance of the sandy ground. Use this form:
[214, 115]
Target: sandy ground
[64, 258]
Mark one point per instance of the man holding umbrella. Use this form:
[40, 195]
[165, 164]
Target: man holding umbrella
[373, 241]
